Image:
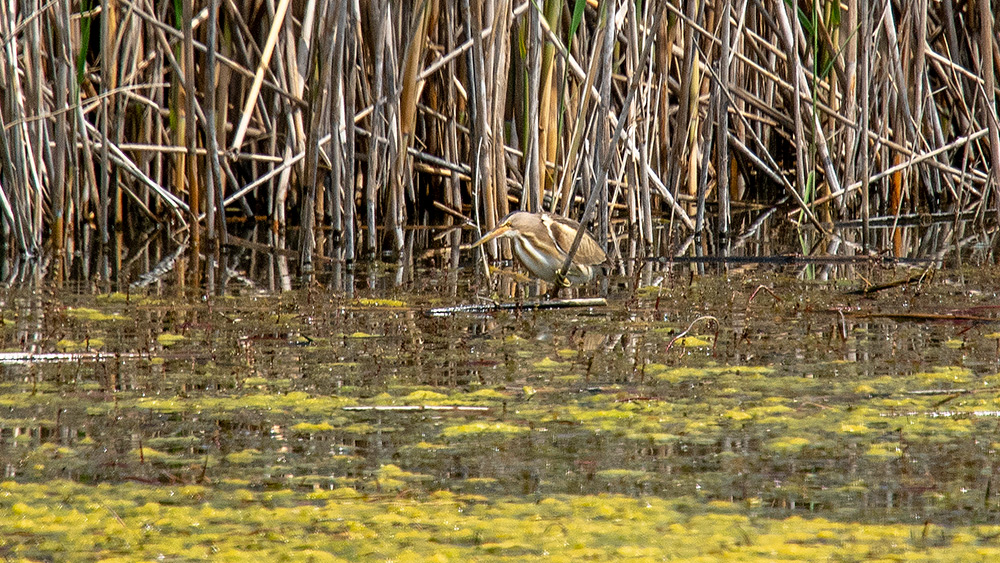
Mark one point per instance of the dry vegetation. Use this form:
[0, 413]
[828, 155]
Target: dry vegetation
[341, 123]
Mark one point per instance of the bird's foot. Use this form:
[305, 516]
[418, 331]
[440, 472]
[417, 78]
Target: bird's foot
[552, 293]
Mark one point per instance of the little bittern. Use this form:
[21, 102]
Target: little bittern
[541, 242]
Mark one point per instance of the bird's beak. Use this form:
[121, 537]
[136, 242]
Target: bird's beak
[491, 235]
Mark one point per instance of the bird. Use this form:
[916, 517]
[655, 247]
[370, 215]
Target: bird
[541, 242]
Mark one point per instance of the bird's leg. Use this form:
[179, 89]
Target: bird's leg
[557, 284]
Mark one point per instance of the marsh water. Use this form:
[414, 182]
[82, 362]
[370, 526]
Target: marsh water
[789, 395]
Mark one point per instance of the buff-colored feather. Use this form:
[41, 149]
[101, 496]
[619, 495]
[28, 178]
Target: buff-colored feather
[542, 241]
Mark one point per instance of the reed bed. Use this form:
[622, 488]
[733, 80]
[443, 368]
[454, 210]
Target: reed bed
[673, 128]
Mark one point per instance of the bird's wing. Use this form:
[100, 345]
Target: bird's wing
[564, 231]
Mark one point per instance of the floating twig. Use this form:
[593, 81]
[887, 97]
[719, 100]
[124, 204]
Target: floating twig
[715, 340]
[916, 316]
[31, 357]
[404, 408]
[525, 305]
[765, 288]
[916, 278]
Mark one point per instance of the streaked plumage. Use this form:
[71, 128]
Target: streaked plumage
[541, 242]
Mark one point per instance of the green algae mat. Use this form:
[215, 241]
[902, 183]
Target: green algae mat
[800, 423]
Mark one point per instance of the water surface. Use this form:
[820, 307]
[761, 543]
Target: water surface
[786, 399]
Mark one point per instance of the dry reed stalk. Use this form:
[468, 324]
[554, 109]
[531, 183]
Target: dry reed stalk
[251, 99]
[987, 69]
[493, 198]
[722, 165]
[548, 97]
[372, 177]
[864, 74]
[335, 202]
[214, 129]
[496, 51]
[834, 106]
[602, 154]
[531, 199]
[635, 173]
[580, 125]
[350, 109]
[63, 185]
[411, 89]
[320, 57]
[394, 215]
